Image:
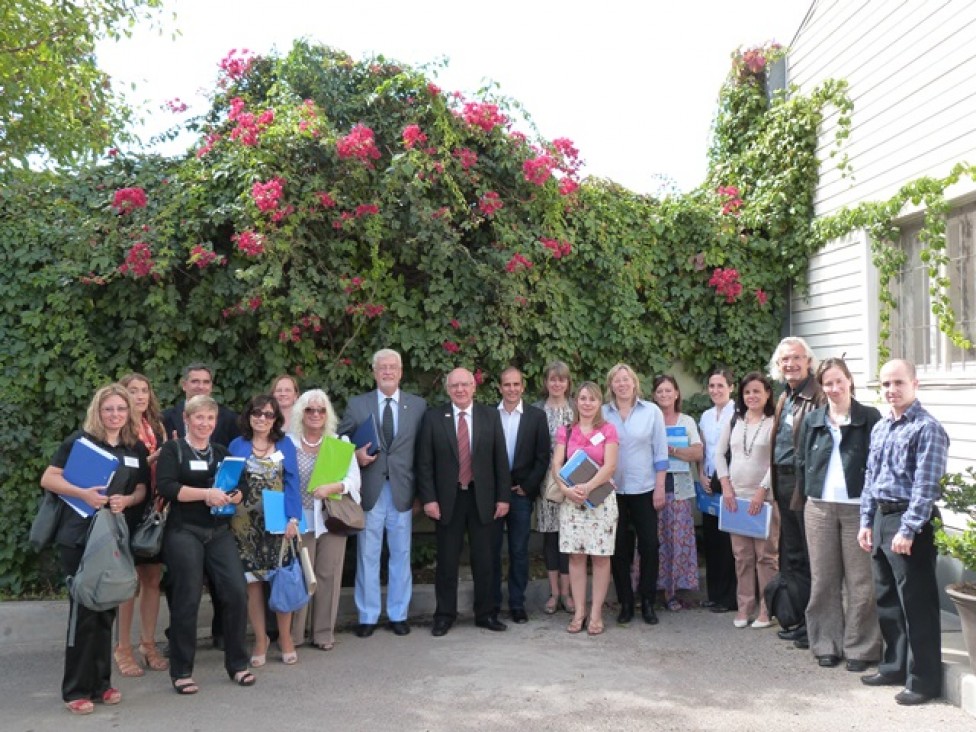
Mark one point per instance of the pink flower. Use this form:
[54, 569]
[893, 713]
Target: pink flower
[761, 297]
[559, 249]
[175, 105]
[201, 256]
[268, 195]
[568, 186]
[489, 203]
[539, 169]
[359, 144]
[466, 157]
[754, 60]
[250, 243]
[433, 89]
[483, 115]
[479, 377]
[366, 209]
[236, 65]
[726, 282]
[129, 199]
[517, 262]
[254, 303]
[455, 323]
[731, 200]
[412, 135]
[450, 346]
[138, 261]
[208, 142]
[326, 200]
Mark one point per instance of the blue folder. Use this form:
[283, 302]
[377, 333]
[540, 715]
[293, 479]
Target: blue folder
[366, 433]
[740, 522]
[88, 465]
[707, 502]
[228, 476]
[275, 521]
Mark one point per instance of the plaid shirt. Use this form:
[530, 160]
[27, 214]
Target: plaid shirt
[906, 462]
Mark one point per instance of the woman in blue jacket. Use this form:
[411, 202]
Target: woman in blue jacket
[831, 460]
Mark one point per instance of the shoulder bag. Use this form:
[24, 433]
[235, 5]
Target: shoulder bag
[45, 525]
[343, 516]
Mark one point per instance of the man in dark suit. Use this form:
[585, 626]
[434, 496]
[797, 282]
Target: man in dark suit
[527, 445]
[198, 379]
[464, 483]
[387, 492]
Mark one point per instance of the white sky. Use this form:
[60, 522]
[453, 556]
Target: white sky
[632, 82]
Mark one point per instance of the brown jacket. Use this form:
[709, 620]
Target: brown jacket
[805, 401]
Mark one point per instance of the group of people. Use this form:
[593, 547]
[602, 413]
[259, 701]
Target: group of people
[834, 473]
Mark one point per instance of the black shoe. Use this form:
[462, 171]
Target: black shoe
[803, 645]
[857, 666]
[797, 633]
[828, 661]
[910, 698]
[880, 679]
[647, 612]
[626, 614]
[716, 608]
[365, 630]
[400, 627]
[519, 616]
[491, 623]
[707, 604]
[441, 626]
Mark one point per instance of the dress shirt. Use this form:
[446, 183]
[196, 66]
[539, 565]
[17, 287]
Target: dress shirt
[643, 446]
[835, 482]
[711, 423]
[468, 416]
[510, 426]
[394, 405]
[907, 460]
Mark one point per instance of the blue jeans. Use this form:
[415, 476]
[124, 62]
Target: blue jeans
[518, 520]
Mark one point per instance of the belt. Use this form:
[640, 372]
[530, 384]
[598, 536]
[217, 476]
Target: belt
[465, 486]
[887, 507]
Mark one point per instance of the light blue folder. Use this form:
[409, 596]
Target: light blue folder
[275, 520]
[742, 523]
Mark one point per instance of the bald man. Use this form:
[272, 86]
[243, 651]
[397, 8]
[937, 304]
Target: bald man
[464, 483]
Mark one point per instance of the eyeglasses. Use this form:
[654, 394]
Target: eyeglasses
[315, 410]
[257, 414]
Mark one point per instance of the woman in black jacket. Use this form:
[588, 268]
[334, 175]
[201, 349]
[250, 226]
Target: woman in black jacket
[831, 460]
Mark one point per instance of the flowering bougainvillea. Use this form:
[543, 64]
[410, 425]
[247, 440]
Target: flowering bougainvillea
[359, 144]
[539, 169]
[483, 115]
[126, 200]
[412, 136]
[517, 262]
[138, 261]
[236, 64]
[249, 243]
[202, 257]
[450, 346]
[490, 203]
[268, 195]
[726, 283]
[731, 199]
[559, 249]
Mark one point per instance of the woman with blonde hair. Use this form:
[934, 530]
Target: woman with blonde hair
[314, 420]
[110, 425]
[586, 531]
[285, 390]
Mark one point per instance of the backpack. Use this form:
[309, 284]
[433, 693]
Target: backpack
[786, 599]
[106, 576]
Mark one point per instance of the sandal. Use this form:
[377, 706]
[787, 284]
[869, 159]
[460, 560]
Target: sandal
[185, 686]
[289, 659]
[111, 697]
[152, 657]
[568, 605]
[259, 659]
[551, 605]
[243, 678]
[576, 625]
[674, 605]
[80, 706]
[127, 662]
[595, 627]
[324, 646]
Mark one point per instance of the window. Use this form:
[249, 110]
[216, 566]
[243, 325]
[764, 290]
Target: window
[914, 330]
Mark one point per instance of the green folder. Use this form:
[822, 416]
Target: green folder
[332, 464]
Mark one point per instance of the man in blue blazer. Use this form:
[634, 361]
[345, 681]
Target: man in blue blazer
[387, 492]
[464, 484]
[527, 444]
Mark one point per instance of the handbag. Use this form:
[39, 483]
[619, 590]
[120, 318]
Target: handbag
[307, 569]
[147, 539]
[45, 525]
[288, 590]
[552, 491]
[343, 517]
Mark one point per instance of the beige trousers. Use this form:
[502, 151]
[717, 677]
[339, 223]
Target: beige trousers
[755, 558]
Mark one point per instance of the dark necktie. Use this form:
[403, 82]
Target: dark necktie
[388, 423]
[464, 451]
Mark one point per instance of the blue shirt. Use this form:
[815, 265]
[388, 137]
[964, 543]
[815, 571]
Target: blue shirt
[907, 460]
[643, 446]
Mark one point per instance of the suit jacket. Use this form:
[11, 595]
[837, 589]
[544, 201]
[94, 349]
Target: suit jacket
[437, 461]
[393, 462]
[805, 401]
[224, 433]
[532, 451]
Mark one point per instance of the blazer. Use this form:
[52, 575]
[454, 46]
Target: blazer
[393, 462]
[532, 451]
[816, 447]
[437, 464]
[239, 447]
[224, 433]
[805, 401]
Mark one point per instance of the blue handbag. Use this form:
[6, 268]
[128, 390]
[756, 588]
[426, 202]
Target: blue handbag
[288, 590]
[707, 502]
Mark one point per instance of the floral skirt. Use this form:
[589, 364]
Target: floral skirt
[546, 516]
[588, 530]
[678, 569]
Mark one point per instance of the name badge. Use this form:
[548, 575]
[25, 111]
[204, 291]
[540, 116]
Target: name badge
[198, 465]
[130, 462]
[276, 456]
[597, 438]
[789, 419]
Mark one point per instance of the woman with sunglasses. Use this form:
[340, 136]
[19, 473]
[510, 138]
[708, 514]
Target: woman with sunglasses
[271, 465]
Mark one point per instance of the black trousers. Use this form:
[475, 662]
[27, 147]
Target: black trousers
[908, 606]
[720, 582]
[637, 517]
[793, 557]
[87, 663]
[190, 551]
[450, 541]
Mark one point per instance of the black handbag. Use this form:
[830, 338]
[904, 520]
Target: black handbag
[147, 539]
[45, 525]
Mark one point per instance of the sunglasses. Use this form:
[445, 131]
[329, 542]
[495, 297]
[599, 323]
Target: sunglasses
[257, 414]
[315, 410]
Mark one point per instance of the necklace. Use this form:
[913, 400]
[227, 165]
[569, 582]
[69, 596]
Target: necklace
[312, 444]
[201, 454]
[746, 445]
[840, 419]
[260, 451]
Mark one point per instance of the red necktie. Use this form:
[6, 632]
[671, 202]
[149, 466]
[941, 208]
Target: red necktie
[464, 451]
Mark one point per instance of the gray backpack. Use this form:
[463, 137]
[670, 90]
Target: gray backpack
[106, 576]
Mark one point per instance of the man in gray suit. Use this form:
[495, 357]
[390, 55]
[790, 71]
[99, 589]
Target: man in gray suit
[387, 492]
